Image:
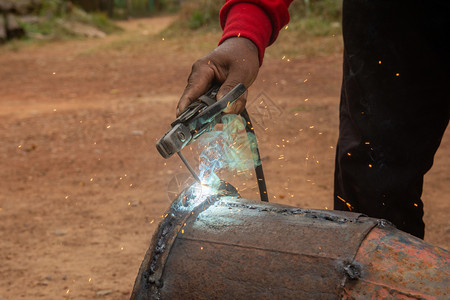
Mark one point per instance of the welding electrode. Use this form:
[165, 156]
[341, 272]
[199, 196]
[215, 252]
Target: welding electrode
[188, 166]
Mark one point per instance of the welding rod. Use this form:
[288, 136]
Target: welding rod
[188, 166]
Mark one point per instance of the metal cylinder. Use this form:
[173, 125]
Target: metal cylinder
[232, 248]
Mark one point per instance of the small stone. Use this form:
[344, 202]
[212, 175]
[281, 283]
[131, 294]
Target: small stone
[48, 277]
[104, 292]
[64, 277]
[137, 132]
[59, 232]
[43, 283]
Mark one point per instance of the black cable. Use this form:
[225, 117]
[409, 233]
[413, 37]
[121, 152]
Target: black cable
[256, 160]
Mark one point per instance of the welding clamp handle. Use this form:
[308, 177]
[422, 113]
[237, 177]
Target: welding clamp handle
[208, 117]
[197, 106]
[215, 109]
[199, 117]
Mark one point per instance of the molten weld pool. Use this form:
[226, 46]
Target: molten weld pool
[215, 245]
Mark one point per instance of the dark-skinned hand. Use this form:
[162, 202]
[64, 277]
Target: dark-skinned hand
[235, 61]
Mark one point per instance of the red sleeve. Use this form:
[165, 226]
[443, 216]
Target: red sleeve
[260, 21]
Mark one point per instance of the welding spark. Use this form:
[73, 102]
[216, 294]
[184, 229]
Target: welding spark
[195, 195]
[350, 207]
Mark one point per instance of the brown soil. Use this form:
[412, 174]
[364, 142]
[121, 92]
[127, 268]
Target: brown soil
[82, 187]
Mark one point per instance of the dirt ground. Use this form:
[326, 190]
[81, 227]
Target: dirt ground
[82, 186]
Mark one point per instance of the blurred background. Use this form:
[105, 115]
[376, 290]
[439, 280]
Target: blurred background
[86, 89]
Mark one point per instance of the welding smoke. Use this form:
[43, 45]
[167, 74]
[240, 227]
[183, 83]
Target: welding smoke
[228, 147]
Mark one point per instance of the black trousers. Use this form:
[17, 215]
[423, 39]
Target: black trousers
[394, 106]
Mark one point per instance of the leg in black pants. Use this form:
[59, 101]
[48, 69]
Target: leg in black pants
[394, 106]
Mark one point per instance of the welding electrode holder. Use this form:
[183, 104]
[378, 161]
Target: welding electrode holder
[201, 116]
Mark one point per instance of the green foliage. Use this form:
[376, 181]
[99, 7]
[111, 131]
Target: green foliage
[141, 8]
[50, 7]
[55, 15]
[198, 19]
[314, 26]
[102, 22]
[310, 17]
[46, 27]
[199, 14]
[169, 6]
[316, 17]
[326, 9]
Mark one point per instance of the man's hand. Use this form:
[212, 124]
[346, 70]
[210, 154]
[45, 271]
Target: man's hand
[234, 61]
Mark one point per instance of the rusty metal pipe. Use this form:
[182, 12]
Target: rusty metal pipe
[232, 248]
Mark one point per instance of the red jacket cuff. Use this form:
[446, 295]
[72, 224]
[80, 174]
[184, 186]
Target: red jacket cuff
[258, 20]
[249, 21]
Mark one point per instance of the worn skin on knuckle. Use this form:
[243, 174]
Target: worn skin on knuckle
[219, 69]
[198, 76]
[199, 63]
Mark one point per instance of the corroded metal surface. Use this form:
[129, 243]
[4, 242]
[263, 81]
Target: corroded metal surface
[232, 248]
[397, 265]
[238, 249]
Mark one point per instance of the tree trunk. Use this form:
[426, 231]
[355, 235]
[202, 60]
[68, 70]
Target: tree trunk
[5, 5]
[13, 29]
[3, 34]
[128, 8]
[109, 8]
